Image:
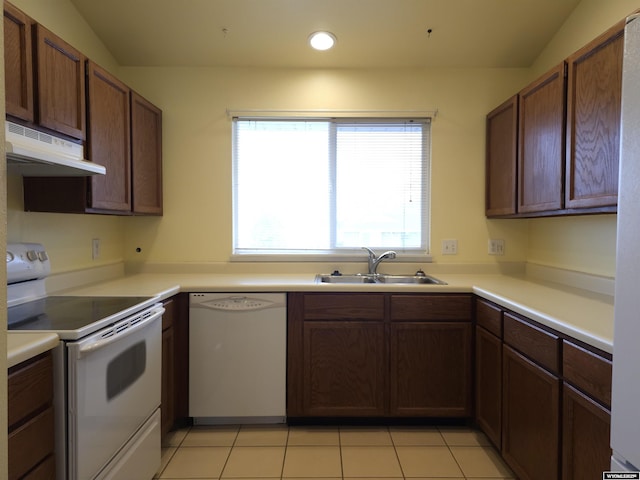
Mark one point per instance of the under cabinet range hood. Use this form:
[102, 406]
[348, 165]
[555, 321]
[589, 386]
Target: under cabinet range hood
[31, 153]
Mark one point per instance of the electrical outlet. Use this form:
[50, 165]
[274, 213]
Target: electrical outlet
[95, 248]
[450, 247]
[496, 246]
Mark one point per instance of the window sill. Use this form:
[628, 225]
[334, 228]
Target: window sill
[324, 257]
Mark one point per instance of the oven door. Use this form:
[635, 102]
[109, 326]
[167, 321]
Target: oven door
[113, 388]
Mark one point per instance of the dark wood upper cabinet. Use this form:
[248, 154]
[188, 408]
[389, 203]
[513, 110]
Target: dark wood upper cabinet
[60, 85]
[146, 151]
[594, 93]
[502, 135]
[567, 141]
[18, 64]
[541, 143]
[109, 140]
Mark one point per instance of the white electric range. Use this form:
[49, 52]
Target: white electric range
[107, 371]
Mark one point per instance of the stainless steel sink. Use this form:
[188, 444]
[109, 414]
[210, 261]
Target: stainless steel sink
[421, 279]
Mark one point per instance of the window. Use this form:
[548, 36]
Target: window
[308, 186]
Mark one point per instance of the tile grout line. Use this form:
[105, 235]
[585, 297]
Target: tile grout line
[395, 450]
[286, 449]
[177, 447]
[229, 454]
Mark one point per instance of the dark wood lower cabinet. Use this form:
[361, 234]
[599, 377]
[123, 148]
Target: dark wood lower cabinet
[31, 419]
[586, 426]
[488, 369]
[430, 369]
[530, 418]
[344, 369]
[175, 366]
[379, 355]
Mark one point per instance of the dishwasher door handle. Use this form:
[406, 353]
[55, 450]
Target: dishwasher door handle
[236, 304]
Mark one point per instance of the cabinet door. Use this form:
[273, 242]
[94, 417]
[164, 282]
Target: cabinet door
[167, 409]
[345, 369]
[541, 143]
[502, 135]
[146, 151]
[530, 418]
[169, 371]
[109, 140]
[586, 427]
[489, 384]
[594, 90]
[18, 63]
[60, 85]
[430, 369]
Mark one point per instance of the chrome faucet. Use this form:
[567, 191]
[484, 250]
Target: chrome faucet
[375, 261]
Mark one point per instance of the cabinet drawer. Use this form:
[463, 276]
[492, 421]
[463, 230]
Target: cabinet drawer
[30, 444]
[539, 345]
[588, 371]
[30, 387]
[341, 307]
[489, 316]
[431, 307]
[45, 471]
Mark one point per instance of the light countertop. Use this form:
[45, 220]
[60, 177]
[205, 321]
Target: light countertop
[578, 313]
[22, 346]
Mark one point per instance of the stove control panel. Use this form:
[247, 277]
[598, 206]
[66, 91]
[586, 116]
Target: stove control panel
[26, 261]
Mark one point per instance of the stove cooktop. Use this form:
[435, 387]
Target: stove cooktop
[72, 317]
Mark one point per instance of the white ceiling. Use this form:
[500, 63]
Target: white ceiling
[371, 33]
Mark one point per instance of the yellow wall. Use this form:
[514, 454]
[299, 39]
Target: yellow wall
[585, 243]
[67, 237]
[196, 226]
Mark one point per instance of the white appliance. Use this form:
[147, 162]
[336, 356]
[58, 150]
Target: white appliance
[625, 408]
[107, 371]
[237, 358]
[32, 153]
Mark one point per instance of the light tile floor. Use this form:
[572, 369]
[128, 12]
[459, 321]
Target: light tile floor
[311, 453]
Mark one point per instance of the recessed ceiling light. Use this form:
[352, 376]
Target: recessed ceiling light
[322, 40]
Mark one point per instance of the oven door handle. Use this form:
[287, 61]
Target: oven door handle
[119, 334]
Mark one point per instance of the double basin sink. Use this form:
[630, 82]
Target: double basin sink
[418, 278]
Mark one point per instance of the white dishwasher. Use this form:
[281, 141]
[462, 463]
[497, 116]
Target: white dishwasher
[237, 358]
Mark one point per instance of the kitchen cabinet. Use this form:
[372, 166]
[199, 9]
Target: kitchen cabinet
[44, 76]
[542, 398]
[181, 333]
[167, 402]
[175, 363]
[31, 419]
[18, 64]
[340, 355]
[379, 355]
[488, 370]
[109, 140]
[146, 152]
[594, 93]
[564, 144]
[125, 135]
[60, 85]
[541, 143]
[531, 391]
[502, 134]
[586, 415]
[430, 356]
